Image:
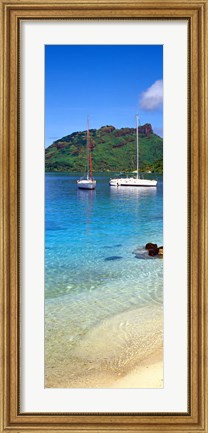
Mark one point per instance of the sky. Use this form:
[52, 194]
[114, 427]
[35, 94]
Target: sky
[107, 83]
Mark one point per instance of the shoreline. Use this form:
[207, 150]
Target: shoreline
[104, 172]
[123, 351]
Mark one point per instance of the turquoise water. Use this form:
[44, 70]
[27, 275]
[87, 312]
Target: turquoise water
[92, 273]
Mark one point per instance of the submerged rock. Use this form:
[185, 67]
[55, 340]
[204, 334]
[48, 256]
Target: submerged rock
[112, 246]
[141, 253]
[113, 258]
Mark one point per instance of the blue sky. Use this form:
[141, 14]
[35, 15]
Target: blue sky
[107, 83]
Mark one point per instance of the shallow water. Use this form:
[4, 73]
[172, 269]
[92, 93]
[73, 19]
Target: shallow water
[98, 294]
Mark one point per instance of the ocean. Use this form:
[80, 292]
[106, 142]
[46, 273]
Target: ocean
[103, 294]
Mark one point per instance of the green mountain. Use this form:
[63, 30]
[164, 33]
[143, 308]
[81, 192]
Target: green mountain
[112, 150]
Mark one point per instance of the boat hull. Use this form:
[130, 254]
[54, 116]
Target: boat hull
[133, 182]
[86, 184]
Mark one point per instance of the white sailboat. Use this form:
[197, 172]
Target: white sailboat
[87, 182]
[134, 181]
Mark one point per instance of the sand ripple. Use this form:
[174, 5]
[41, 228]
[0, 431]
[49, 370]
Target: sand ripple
[106, 352]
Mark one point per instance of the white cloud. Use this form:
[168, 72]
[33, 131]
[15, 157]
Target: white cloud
[152, 98]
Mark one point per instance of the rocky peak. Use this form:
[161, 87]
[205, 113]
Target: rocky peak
[107, 128]
[146, 129]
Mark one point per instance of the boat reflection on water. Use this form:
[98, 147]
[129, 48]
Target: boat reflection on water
[86, 196]
[132, 191]
[86, 203]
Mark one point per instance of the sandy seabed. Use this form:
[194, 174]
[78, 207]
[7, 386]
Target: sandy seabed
[121, 351]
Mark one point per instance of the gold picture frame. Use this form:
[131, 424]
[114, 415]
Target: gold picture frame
[12, 13]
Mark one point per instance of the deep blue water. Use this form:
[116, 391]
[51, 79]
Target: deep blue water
[91, 236]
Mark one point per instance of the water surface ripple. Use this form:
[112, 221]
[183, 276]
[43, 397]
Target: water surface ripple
[95, 286]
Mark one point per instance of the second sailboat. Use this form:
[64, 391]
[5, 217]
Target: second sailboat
[134, 181]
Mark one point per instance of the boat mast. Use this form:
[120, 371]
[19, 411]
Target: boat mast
[89, 151]
[137, 142]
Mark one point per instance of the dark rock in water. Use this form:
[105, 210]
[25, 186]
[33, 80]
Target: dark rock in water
[153, 252]
[150, 246]
[148, 253]
[113, 258]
